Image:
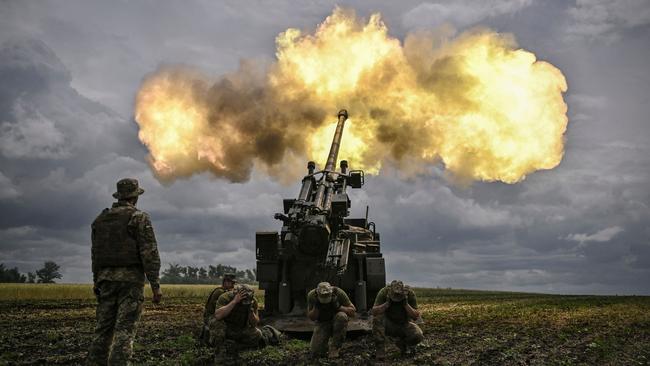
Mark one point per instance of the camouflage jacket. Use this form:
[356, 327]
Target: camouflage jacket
[396, 311]
[141, 229]
[238, 318]
[327, 311]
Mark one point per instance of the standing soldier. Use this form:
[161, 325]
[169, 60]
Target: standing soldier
[237, 309]
[331, 308]
[395, 308]
[213, 332]
[124, 251]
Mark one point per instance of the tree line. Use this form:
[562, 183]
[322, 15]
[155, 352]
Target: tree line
[47, 274]
[177, 274]
[174, 274]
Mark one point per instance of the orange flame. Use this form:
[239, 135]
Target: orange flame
[486, 109]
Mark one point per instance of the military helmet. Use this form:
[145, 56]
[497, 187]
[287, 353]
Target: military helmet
[397, 291]
[246, 292]
[128, 188]
[324, 292]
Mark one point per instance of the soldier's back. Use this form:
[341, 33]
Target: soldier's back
[113, 240]
[211, 303]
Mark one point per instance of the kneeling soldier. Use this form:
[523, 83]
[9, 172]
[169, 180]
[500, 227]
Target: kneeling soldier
[331, 308]
[213, 331]
[238, 310]
[395, 307]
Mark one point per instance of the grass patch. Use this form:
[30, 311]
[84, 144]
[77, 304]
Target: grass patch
[62, 291]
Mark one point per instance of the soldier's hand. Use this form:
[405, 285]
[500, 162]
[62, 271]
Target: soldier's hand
[157, 296]
[238, 298]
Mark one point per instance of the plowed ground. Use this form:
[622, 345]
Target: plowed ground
[461, 328]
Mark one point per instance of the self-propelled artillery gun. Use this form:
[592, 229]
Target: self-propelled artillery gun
[319, 242]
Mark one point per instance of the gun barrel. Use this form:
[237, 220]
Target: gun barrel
[336, 141]
[320, 200]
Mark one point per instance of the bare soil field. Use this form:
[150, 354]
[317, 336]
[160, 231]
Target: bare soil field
[53, 324]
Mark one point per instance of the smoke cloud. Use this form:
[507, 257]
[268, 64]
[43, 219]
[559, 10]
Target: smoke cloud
[475, 102]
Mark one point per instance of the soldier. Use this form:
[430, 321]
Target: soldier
[238, 310]
[213, 331]
[395, 307]
[124, 251]
[331, 308]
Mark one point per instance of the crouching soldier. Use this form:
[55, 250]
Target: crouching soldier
[213, 332]
[238, 311]
[331, 308]
[395, 308]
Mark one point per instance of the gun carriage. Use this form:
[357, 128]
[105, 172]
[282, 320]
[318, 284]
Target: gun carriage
[319, 242]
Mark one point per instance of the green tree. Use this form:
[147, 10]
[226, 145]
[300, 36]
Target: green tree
[172, 274]
[11, 275]
[212, 272]
[48, 273]
[250, 275]
[176, 274]
[203, 274]
[192, 273]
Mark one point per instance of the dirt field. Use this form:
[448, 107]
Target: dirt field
[53, 325]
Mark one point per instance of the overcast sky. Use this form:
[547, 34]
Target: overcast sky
[69, 72]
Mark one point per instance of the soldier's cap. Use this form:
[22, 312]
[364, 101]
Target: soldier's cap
[128, 188]
[246, 293]
[397, 291]
[324, 292]
[230, 277]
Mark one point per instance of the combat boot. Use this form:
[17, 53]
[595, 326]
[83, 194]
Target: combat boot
[271, 336]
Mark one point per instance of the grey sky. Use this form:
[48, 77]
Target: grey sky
[69, 72]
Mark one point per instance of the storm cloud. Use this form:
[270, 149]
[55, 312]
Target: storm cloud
[69, 73]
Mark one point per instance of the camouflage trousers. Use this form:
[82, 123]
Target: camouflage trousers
[215, 332]
[118, 310]
[249, 337]
[335, 329]
[408, 334]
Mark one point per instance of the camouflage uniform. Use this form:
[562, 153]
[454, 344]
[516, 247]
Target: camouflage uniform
[121, 288]
[237, 325]
[213, 330]
[395, 321]
[331, 323]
